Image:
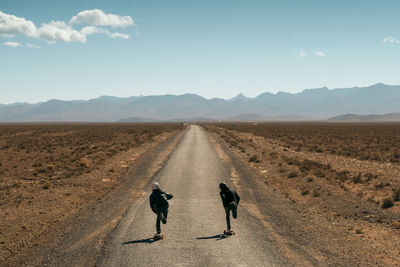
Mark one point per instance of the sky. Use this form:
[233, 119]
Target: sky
[214, 48]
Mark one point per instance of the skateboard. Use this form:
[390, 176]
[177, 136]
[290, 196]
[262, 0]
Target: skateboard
[228, 233]
[158, 237]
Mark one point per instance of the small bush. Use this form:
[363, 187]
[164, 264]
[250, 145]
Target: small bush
[305, 192]
[370, 176]
[315, 193]
[387, 203]
[319, 173]
[357, 179]
[342, 175]
[396, 194]
[253, 158]
[292, 175]
[359, 231]
[46, 185]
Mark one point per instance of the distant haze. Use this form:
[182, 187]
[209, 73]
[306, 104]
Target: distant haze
[310, 104]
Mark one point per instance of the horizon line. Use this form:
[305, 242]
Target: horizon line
[122, 97]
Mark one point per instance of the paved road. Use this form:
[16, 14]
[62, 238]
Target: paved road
[196, 219]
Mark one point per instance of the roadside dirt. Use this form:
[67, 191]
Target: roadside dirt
[46, 181]
[334, 202]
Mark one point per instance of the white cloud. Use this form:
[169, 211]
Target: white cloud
[92, 30]
[300, 54]
[319, 53]
[11, 25]
[12, 44]
[33, 46]
[59, 31]
[119, 35]
[98, 17]
[391, 40]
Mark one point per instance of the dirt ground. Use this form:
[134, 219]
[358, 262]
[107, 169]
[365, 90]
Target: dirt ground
[50, 172]
[351, 205]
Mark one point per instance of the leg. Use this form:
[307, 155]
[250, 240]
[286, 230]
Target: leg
[234, 210]
[158, 227]
[228, 219]
[164, 217]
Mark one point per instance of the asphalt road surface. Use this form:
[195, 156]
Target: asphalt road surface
[196, 219]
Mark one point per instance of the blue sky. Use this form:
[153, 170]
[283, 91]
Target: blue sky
[212, 48]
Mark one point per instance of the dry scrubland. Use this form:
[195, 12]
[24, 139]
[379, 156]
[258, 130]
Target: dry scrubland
[345, 176]
[49, 172]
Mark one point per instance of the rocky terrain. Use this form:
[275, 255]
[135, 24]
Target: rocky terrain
[49, 172]
[349, 200]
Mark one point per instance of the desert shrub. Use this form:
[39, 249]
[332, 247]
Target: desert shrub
[47, 185]
[315, 193]
[342, 175]
[396, 194]
[357, 179]
[370, 176]
[379, 186]
[305, 192]
[319, 173]
[292, 175]
[253, 158]
[387, 203]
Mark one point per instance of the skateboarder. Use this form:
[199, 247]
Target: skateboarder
[159, 205]
[230, 200]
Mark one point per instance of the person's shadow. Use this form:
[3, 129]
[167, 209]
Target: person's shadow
[216, 237]
[146, 240]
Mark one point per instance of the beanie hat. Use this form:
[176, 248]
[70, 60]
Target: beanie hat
[155, 186]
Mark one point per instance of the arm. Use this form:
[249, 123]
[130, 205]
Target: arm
[152, 202]
[168, 196]
[222, 198]
[237, 198]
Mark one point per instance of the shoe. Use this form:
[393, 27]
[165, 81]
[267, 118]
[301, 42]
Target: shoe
[163, 219]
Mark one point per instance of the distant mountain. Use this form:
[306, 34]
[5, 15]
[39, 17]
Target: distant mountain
[317, 104]
[392, 117]
[258, 117]
[239, 97]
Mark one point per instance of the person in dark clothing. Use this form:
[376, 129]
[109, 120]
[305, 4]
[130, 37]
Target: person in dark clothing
[159, 205]
[230, 200]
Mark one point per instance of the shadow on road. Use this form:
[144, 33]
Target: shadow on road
[216, 237]
[146, 240]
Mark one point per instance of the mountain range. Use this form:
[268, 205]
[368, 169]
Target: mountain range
[310, 104]
[367, 118]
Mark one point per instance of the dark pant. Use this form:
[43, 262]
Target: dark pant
[231, 207]
[160, 216]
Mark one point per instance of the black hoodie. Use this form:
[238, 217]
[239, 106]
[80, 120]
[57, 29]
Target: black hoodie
[229, 196]
[158, 200]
